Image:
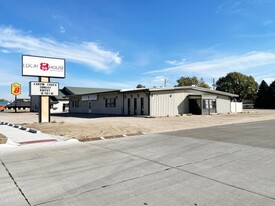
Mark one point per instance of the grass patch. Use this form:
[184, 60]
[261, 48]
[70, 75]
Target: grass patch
[3, 139]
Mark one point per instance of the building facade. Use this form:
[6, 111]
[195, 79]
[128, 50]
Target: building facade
[153, 102]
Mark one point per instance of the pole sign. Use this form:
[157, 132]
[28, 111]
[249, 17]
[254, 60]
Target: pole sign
[15, 89]
[43, 66]
[44, 88]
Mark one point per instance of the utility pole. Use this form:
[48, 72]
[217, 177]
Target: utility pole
[214, 84]
[165, 82]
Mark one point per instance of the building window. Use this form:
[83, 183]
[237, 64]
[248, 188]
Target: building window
[209, 104]
[110, 102]
[75, 103]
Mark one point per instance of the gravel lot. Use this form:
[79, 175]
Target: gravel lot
[90, 127]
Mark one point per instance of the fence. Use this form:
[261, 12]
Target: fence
[236, 107]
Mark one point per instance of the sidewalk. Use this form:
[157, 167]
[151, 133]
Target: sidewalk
[25, 136]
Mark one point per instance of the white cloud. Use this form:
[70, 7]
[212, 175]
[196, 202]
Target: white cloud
[88, 53]
[218, 67]
[62, 29]
[5, 51]
[258, 64]
[175, 62]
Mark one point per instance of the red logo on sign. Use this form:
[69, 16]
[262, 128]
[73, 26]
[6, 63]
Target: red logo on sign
[16, 90]
[44, 66]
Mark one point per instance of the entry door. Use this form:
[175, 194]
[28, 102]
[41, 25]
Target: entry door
[195, 106]
[142, 106]
[209, 106]
[135, 106]
[90, 107]
[129, 106]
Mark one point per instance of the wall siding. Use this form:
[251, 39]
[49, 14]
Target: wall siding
[223, 104]
[98, 106]
[156, 103]
[138, 96]
[170, 103]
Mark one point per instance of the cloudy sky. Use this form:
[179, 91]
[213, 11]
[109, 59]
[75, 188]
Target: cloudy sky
[121, 43]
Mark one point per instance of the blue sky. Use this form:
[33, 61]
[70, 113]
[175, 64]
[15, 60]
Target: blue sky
[121, 43]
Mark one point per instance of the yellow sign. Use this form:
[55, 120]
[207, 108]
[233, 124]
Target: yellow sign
[16, 88]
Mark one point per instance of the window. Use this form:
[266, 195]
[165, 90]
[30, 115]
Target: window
[209, 104]
[110, 102]
[75, 103]
[205, 104]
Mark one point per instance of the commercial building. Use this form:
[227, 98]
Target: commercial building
[60, 103]
[153, 101]
[22, 105]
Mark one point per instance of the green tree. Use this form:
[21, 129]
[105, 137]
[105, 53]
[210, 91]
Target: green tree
[140, 86]
[245, 86]
[271, 96]
[189, 81]
[262, 98]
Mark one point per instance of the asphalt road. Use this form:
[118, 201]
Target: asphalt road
[224, 165]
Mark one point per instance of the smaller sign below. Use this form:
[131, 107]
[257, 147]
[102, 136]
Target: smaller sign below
[16, 88]
[44, 88]
[92, 97]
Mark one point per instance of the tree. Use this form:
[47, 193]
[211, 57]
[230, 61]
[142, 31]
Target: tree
[202, 83]
[140, 86]
[271, 96]
[3, 100]
[262, 99]
[237, 83]
[189, 81]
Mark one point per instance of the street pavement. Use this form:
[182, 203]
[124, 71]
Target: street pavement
[223, 165]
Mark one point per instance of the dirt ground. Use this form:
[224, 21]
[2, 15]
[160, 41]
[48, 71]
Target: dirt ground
[90, 127]
[3, 139]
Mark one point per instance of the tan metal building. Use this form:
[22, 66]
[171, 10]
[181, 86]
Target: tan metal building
[152, 102]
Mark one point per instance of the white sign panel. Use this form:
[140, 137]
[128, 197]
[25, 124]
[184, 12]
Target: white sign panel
[44, 88]
[43, 66]
[89, 97]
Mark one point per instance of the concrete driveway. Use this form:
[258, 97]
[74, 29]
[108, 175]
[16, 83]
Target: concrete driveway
[225, 165]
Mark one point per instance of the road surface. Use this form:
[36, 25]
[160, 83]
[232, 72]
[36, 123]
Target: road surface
[224, 165]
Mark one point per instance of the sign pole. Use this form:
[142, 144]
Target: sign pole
[44, 113]
[15, 103]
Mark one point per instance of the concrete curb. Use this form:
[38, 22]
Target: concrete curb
[111, 137]
[20, 127]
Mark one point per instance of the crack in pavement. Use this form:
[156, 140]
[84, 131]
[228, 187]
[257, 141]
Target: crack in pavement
[101, 187]
[164, 170]
[12, 178]
[196, 174]
[213, 157]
